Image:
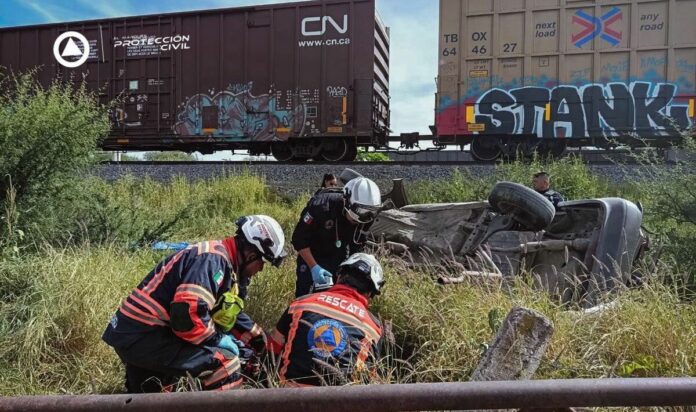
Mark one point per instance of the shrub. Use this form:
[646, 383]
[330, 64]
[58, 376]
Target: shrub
[365, 156]
[47, 136]
[669, 196]
[169, 156]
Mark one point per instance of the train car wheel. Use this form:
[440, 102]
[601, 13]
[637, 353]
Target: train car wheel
[485, 148]
[334, 150]
[282, 151]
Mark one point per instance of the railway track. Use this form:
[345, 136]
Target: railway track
[292, 179]
[593, 157]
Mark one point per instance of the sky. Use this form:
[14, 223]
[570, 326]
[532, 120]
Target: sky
[413, 30]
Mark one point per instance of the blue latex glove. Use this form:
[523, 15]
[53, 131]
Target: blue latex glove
[322, 278]
[228, 343]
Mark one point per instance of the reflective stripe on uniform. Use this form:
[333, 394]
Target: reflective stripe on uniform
[196, 290]
[200, 331]
[227, 369]
[129, 310]
[159, 276]
[255, 331]
[277, 337]
[231, 385]
[147, 302]
[368, 329]
[286, 351]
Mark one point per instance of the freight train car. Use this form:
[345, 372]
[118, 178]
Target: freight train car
[524, 75]
[298, 80]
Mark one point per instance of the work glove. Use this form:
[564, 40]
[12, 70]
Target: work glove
[228, 343]
[322, 278]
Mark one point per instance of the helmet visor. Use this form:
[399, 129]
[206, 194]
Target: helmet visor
[267, 253]
[363, 214]
[275, 261]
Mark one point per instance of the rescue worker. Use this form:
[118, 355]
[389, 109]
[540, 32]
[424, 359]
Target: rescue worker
[329, 180]
[331, 227]
[186, 315]
[542, 184]
[330, 337]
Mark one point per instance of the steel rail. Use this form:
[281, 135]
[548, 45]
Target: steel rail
[543, 394]
[393, 163]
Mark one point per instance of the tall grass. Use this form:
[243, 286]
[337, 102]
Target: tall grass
[569, 176]
[55, 303]
[55, 308]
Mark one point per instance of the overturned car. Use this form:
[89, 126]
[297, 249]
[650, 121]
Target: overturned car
[577, 252]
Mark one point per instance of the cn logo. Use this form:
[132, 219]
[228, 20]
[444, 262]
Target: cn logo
[342, 29]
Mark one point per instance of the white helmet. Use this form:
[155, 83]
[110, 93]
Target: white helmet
[367, 265]
[363, 199]
[265, 234]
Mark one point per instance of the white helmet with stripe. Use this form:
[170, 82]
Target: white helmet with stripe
[365, 265]
[363, 199]
[265, 234]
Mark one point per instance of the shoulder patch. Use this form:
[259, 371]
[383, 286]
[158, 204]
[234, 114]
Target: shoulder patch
[218, 277]
[307, 218]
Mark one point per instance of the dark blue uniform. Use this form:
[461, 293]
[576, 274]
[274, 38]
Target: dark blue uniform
[552, 196]
[332, 328]
[328, 234]
[164, 328]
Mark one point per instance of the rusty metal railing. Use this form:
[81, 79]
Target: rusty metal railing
[545, 394]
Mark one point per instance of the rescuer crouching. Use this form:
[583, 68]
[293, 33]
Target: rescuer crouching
[330, 337]
[186, 317]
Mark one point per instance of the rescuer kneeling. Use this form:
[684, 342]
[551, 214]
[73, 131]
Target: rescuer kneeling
[330, 337]
[186, 316]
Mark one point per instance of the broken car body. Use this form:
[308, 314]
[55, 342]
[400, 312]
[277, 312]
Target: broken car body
[577, 253]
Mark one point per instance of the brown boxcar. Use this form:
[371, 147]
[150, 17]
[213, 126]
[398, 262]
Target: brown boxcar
[299, 80]
[526, 74]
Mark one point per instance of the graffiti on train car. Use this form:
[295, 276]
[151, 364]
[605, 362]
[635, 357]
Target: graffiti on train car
[238, 114]
[650, 109]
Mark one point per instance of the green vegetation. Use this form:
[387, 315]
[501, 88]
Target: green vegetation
[71, 248]
[47, 135]
[169, 156]
[107, 156]
[367, 156]
[55, 301]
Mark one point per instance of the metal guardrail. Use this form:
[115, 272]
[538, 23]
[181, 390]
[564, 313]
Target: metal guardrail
[538, 394]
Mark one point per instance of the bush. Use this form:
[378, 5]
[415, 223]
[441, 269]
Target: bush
[169, 156]
[668, 193]
[47, 136]
[365, 156]
[139, 212]
[107, 156]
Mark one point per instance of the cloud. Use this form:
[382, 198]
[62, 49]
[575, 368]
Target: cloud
[105, 8]
[413, 63]
[48, 16]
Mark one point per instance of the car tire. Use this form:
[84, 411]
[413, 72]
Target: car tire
[526, 206]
